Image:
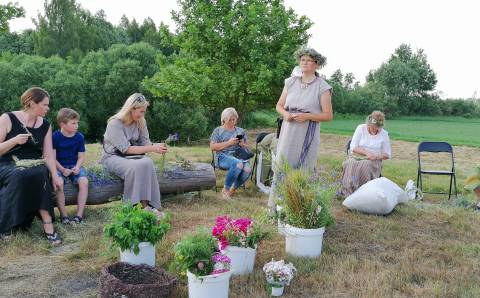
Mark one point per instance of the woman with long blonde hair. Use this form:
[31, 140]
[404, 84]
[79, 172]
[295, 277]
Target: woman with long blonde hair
[126, 140]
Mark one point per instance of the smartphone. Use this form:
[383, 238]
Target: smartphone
[239, 137]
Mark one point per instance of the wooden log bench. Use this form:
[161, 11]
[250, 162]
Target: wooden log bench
[174, 180]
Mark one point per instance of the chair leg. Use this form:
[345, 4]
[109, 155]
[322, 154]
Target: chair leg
[450, 189]
[455, 185]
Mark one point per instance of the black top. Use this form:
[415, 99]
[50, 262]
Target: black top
[33, 148]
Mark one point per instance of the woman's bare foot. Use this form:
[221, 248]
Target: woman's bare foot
[226, 194]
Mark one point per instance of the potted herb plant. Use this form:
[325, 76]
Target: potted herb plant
[135, 231]
[306, 205]
[238, 239]
[207, 270]
[278, 275]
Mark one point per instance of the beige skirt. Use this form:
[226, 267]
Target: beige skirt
[358, 172]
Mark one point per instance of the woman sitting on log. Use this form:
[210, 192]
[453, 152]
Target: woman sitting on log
[226, 140]
[369, 147]
[26, 179]
[126, 140]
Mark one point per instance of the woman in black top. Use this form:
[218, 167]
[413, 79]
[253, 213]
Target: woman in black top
[26, 191]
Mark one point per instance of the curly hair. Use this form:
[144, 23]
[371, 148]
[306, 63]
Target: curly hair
[316, 56]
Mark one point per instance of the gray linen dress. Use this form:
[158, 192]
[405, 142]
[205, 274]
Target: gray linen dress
[139, 175]
[292, 133]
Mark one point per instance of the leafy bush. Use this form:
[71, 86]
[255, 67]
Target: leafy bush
[132, 225]
[306, 203]
[194, 253]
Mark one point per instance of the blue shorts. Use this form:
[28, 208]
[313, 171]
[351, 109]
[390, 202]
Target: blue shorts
[72, 177]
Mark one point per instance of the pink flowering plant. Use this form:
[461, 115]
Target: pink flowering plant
[241, 232]
[278, 273]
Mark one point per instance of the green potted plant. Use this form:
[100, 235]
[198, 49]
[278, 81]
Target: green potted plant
[135, 231]
[305, 203]
[207, 270]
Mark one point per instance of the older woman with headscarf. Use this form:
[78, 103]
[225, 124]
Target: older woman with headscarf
[370, 145]
[305, 102]
[126, 140]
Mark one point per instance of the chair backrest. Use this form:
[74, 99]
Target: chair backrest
[260, 137]
[435, 147]
[347, 148]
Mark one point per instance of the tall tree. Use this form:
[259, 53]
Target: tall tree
[234, 53]
[407, 78]
[7, 12]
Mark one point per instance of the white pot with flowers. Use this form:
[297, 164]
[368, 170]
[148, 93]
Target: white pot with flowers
[306, 205]
[207, 270]
[238, 239]
[278, 276]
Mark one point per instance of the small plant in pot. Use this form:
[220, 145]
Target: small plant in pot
[306, 204]
[208, 271]
[278, 276]
[135, 232]
[238, 239]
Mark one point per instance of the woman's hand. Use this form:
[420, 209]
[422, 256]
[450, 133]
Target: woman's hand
[160, 148]
[300, 117]
[21, 138]
[233, 141]
[289, 116]
[371, 156]
[57, 182]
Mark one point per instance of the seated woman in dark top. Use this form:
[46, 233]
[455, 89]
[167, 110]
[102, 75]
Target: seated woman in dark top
[26, 190]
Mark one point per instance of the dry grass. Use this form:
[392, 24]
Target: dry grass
[423, 249]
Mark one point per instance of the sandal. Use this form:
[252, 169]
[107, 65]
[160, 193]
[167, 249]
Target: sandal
[77, 219]
[226, 195]
[65, 220]
[53, 238]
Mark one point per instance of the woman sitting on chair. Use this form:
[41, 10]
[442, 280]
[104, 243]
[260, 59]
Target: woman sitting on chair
[369, 147]
[225, 141]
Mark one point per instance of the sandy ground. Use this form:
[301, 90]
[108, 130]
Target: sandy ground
[50, 276]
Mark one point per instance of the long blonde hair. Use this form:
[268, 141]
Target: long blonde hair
[134, 101]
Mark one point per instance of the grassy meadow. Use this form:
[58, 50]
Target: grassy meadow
[426, 248]
[455, 130]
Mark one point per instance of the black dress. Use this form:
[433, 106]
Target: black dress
[24, 191]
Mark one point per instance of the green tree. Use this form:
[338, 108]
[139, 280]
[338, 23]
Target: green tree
[7, 12]
[234, 53]
[407, 77]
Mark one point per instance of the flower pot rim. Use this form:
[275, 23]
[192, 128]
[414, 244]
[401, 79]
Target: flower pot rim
[316, 231]
[233, 247]
[141, 244]
[210, 275]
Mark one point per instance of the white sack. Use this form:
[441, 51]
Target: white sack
[378, 196]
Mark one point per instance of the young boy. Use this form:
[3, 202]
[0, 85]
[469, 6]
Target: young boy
[69, 147]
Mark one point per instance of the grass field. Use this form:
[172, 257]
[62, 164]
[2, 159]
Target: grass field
[455, 130]
[423, 249]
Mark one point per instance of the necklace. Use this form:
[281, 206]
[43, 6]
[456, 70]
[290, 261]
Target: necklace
[304, 85]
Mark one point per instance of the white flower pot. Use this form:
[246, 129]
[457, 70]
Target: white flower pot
[145, 256]
[303, 242]
[277, 291]
[243, 259]
[209, 286]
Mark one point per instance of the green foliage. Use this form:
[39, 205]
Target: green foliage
[132, 225]
[195, 249]
[7, 12]
[234, 53]
[306, 202]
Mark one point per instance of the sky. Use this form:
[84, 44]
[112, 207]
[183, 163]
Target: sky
[355, 36]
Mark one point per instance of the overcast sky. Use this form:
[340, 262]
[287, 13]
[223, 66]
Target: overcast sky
[355, 36]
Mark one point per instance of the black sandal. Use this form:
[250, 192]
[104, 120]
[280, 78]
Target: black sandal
[77, 219]
[65, 220]
[53, 238]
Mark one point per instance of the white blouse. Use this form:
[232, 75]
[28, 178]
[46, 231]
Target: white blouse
[379, 143]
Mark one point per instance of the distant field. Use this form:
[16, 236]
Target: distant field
[455, 130]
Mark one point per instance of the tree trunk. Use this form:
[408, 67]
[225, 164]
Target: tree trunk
[172, 181]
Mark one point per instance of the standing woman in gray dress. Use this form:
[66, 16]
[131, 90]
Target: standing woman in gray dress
[304, 103]
[126, 140]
